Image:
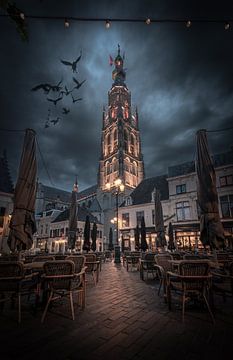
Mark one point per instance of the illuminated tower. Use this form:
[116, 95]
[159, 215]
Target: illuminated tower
[121, 155]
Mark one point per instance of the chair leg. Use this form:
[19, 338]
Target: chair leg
[72, 305]
[19, 307]
[46, 307]
[209, 309]
[160, 285]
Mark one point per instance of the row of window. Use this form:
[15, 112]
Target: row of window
[223, 180]
[62, 231]
[183, 211]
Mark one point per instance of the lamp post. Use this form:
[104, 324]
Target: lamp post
[118, 187]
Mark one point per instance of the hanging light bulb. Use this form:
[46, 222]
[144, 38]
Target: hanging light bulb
[148, 21]
[188, 24]
[66, 23]
[107, 24]
[227, 26]
[22, 16]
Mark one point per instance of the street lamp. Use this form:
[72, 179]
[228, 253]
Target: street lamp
[118, 188]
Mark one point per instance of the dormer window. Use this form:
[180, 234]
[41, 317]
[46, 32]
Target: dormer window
[128, 201]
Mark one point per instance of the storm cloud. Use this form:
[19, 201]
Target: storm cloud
[180, 80]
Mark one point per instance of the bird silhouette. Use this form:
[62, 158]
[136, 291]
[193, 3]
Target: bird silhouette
[56, 87]
[55, 121]
[74, 100]
[72, 64]
[55, 100]
[65, 92]
[46, 125]
[78, 84]
[46, 87]
[65, 110]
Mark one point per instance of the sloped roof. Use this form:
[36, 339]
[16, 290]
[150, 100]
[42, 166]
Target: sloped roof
[6, 184]
[82, 213]
[142, 193]
[87, 192]
[222, 159]
[52, 193]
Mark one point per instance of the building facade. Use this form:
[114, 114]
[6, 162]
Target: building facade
[179, 202]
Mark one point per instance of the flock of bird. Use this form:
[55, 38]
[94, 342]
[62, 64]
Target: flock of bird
[60, 92]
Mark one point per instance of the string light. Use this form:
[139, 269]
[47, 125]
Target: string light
[227, 26]
[66, 23]
[22, 16]
[188, 24]
[107, 24]
[148, 21]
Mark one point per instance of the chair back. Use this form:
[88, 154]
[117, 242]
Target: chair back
[9, 258]
[90, 262]
[163, 261]
[42, 258]
[198, 269]
[59, 274]
[79, 262]
[11, 274]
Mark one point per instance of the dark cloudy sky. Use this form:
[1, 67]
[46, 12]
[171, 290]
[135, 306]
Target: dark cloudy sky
[181, 80]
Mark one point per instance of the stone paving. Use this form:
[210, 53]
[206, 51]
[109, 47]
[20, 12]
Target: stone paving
[124, 319]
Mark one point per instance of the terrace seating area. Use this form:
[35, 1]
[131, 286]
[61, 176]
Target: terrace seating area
[122, 315]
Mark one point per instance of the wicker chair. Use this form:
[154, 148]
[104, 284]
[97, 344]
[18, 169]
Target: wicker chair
[147, 265]
[14, 282]
[191, 282]
[79, 283]
[163, 265]
[58, 277]
[92, 267]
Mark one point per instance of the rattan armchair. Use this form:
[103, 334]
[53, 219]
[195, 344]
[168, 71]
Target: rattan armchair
[147, 265]
[92, 267]
[163, 265]
[79, 283]
[58, 279]
[192, 281]
[14, 283]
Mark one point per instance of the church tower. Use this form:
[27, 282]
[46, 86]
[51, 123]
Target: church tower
[121, 155]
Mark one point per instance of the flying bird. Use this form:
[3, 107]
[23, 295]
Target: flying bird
[45, 87]
[72, 64]
[65, 110]
[46, 125]
[65, 92]
[55, 121]
[56, 87]
[78, 84]
[55, 100]
[74, 100]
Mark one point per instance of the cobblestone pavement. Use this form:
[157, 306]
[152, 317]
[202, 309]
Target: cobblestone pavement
[124, 319]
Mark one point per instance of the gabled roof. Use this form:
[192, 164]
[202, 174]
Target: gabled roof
[6, 184]
[82, 213]
[142, 193]
[87, 192]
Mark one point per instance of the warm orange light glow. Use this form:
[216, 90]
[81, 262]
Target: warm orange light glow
[117, 182]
